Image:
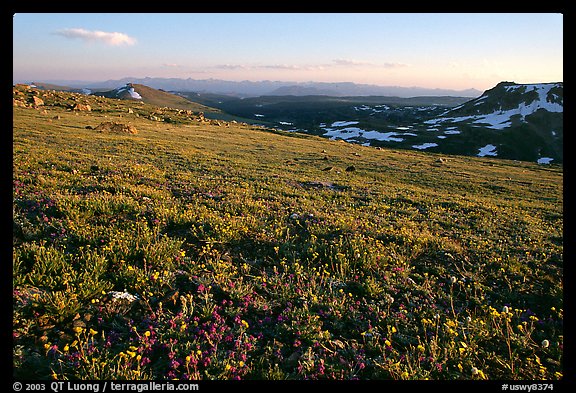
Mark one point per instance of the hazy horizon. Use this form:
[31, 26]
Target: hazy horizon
[434, 51]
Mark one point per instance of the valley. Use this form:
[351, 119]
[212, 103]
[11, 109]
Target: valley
[529, 127]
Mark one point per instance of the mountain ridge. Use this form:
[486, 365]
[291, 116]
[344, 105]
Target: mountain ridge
[266, 87]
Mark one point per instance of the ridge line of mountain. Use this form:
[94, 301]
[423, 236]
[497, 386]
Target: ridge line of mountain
[266, 87]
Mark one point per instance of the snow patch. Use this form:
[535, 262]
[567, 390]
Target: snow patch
[544, 160]
[488, 150]
[355, 132]
[134, 94]
[343, 123]
[130, 90]
[424, 146]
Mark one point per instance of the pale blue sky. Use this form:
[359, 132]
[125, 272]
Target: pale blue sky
[457, 51]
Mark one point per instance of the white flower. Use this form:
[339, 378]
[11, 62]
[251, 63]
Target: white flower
[545, 343]
[505, 309]
[468, 319]
[474, 371]
[122, 295]
[453, 280]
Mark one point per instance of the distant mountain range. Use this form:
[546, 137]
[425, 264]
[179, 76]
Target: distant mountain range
[260, 88]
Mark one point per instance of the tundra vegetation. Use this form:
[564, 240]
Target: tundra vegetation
[195, 249]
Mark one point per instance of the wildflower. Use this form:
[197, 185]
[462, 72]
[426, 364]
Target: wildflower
[420, 348]
[453, 280]
[388, 343]
[405, 375]
[66, 348]
[474, 371]
[244, 323]
[93, 332]
[545, 343]
[394, 329]
[468, 319]
[241, 364]
[78, 329]
[188, 358]
[505, 309]
[147, 333]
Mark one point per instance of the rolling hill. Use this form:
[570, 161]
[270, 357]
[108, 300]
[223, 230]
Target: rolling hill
[156, 97]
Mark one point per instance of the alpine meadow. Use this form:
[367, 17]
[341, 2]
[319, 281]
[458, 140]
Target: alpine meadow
[153, 242]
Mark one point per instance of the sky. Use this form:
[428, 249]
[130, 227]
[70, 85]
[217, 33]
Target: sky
[431, 50]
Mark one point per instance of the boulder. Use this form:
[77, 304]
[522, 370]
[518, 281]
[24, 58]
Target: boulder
[116, 128]
[81, 107]
[36, 101]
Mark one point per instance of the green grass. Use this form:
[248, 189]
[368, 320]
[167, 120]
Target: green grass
[250, 261]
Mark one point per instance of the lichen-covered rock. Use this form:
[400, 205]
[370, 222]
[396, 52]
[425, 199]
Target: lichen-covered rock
[117, 128]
